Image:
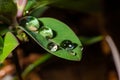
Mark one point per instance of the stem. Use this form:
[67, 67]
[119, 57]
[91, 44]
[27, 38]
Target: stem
[35, 64]
[113, 48]
[115, 54]
[16, 61]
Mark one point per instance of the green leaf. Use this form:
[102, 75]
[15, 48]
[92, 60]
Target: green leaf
[33, 4]
[10, 43]
[41, 3]
[38, 11]
[8, 8]
[29, 4]
[80, 5]
[90, 40]
[54, 36]
[1, 44]
[35, 64]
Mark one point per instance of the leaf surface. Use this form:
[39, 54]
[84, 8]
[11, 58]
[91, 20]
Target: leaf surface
[61, 33]
[10, 43]
[1, 44]
[8, 8]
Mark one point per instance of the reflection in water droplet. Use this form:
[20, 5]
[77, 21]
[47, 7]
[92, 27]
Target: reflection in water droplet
[53, 47]
[26, 12]
[68, 45]
[46, 32]
[30, 22]
[72, 46]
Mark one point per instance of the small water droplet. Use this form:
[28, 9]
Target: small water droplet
[72, 46]
[72, 53]
[46, 32]
[81, 47]
[53, 47]
[68, 45]
[27, 12]
[30, 22]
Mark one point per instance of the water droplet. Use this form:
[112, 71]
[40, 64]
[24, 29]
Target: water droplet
[72, 46]
[46, 32]
[26, 12]
[53, 47]
[30, 22]
[81, 47]
[72, 53]
[68, 45]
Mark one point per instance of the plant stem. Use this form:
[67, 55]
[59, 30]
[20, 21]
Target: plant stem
[16, 61]
[115, 54]
[35, 64]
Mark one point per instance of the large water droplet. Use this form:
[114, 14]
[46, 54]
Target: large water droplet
[68, 45]
[46, 32]
[65, 43]
[53, 47]
[30, 23]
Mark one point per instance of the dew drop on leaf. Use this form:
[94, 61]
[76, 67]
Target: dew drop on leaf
[53, 47]
[30, 23]
[72, 46]
[46, 32]
[26, 12]
[81, 47]
[68, 45]
[72, 53]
